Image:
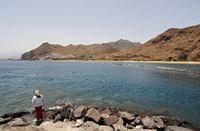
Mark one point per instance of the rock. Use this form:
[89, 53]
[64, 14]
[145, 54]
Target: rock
[148, 122]
[135, 129]
[110, 120]
[66, 113]
[55, 108]
[91, 126]
[3, 121]
[15, 114]
[158, 122]
[115, 111]
[106, 111]
[174, 121]
[59, 126]
[79, 122]
[136, 121]
[118, 127]
[127, 117]
[50, 115]
[177, 128]
[138, 127]
[18, 122]
[57, 118]
[80, 111]
[129, 126]
[120, 121]
[93, 114]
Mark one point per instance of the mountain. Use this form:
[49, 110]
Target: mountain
[174, 44]
[48, 51]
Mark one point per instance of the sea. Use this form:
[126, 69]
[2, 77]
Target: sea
[162, 89]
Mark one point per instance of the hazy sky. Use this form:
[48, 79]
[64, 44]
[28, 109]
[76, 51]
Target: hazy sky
[25, 24]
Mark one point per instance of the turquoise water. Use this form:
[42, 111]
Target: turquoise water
[171, 89]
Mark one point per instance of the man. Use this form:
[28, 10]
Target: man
[37, 103]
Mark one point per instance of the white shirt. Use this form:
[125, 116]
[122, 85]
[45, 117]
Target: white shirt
[37, 101]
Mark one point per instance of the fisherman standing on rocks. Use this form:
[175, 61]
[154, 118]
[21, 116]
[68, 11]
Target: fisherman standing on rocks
[37, 103]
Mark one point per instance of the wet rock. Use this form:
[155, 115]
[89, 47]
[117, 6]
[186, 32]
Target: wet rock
[127, 117]
[5, 120]
[177, 128]
[148, 122]
[118, 127]
[15, 114]
[93, 114]
[80, 111]
[110, 120]
[158, 122]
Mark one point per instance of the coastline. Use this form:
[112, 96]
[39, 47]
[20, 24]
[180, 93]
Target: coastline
[131, 61]
[67, 117]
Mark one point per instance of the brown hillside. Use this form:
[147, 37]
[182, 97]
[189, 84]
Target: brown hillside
[81, 52]
[173, 44]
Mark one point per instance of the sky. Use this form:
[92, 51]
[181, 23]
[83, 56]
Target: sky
[25, 24]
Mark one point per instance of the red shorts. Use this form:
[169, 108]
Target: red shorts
[38, 112]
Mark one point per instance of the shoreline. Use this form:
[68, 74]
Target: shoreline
[126, 61]
[68, 117]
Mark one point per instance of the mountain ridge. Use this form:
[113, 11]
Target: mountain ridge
[174, 44]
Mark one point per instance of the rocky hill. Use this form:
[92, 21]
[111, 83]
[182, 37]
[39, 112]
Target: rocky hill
[174, 44]
[81, 52]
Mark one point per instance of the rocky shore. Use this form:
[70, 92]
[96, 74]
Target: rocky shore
[66, 117]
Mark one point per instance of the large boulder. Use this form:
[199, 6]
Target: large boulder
[66, 113]
[18, 122]
[136, 121]
[93, 114]
[158, 122]
[110, 120]
[127, 117]
[80, 111]
[177, 128]
[148, 122]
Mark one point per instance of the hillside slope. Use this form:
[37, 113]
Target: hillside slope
[81, 52]
[173, 44]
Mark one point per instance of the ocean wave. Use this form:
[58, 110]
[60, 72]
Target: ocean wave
[170, 68]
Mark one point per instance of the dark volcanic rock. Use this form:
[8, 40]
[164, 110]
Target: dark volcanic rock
[16, 114]
[5, 120]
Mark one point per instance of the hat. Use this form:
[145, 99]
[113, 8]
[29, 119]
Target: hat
[37, 92]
